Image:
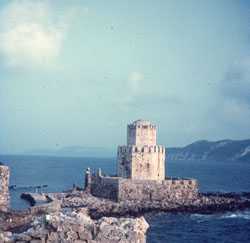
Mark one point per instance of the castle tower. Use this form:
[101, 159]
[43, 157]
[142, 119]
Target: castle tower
[141, 159]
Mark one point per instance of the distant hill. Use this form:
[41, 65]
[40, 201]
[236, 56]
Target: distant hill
[203, 150]
[75, 151]
[224, 150]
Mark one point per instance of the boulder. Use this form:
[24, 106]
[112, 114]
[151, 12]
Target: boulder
[72, 226]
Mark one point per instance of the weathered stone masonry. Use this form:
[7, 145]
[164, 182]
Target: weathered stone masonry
[4, 187]
[104, 187]
[140, 190]
[140, 171]
[170, 189]
[141, 158]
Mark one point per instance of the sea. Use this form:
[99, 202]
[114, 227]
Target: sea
[56, 174]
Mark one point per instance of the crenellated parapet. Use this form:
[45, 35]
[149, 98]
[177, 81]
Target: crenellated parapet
[117, 188]
[141, 149]
[141, 133]
[141, 158]
[138, 124]
[140, 171]
[179, 181]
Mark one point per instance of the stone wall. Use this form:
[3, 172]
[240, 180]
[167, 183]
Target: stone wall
[148, 163]
[140, 190]
[171, 189]
[141, 159]
[124, 161]
[141, 133]
[4, 187]
[104, 187]
[144, 163]
[51, 207]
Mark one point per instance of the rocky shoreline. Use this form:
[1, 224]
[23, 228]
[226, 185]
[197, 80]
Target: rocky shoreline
[76, 226]
[123, 220]
[209, 203]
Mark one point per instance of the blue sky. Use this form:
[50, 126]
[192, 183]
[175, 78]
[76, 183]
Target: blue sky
[77, 72]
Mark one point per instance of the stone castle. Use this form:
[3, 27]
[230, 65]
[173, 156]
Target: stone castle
[140, 171]
[141, 159]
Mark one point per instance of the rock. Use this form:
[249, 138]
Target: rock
[77, 225]
[72, 226]
[38, 233]
[23, 237]
[122, 229]
[93, 230]
[5, 236]
[85, 235]
[105, 230]
[53, 237]
[71, 235]
[37, 241]
[48, 217]
[29, 198]
[83, 219]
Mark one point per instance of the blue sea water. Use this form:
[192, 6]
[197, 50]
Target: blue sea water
[59, 173]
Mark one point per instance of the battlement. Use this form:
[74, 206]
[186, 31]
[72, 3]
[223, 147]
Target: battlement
[179, 181]
[141, 158]
[140, 171]
[141, 149]
[150, 126]
[141, 133]
[117, 188]
[167, 181]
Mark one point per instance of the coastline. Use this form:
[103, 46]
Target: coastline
[208, 203]
[39, 222]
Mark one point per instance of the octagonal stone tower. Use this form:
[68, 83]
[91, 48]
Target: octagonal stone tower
[141, 159]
